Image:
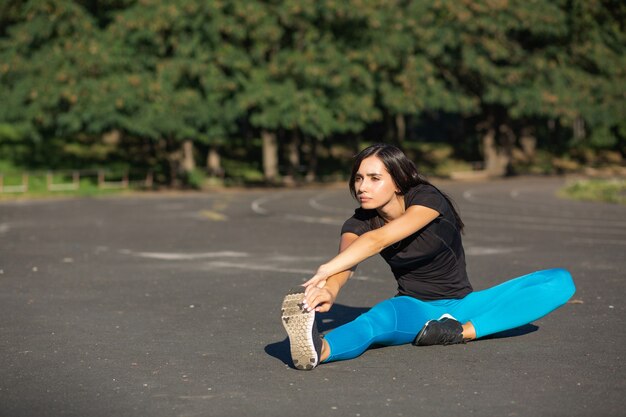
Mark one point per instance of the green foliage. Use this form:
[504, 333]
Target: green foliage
[436, 159]
[610, 191]
[156, 73]
[195, 179]
[242, 171]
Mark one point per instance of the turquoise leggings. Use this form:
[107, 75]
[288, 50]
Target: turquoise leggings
[506, 306]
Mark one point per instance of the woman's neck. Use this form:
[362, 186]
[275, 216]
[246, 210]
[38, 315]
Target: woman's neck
[392, 210]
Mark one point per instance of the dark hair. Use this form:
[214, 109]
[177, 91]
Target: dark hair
[402, 170]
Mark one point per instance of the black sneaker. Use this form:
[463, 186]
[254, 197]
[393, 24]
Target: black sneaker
[445, 331]
[304, 340]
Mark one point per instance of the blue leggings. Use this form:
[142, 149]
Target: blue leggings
[506, 306]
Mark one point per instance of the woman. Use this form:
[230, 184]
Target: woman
[417, 230]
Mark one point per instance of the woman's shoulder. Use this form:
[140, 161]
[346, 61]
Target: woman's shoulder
[360, 222]
[426, 195]
[423, 190]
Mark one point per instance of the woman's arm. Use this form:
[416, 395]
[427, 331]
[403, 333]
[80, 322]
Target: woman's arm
[323, 295]
[372, 242]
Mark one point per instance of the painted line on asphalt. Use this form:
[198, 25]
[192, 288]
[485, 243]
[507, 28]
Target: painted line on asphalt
[256, 205]
[268, 268]
[167, 256]
[213, 215]
[314, 202]
[257, 267]
[319, 220]
[482, 251]
[550, 220]
[548, 228]
[591, 241]
[511, 199]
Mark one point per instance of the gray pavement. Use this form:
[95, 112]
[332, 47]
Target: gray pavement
[169, 306]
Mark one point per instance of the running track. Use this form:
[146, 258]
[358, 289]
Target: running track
[169, 306]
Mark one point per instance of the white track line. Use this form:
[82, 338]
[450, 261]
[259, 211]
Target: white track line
[306, 272]
[319, 220]
[313, 202]
[551, 228]
[257, 207]
[598, 241]
[481, 250]
[550, 220]
[185, 256]
[565, 213]
[256, 204]
[257, 267]
[514, 200]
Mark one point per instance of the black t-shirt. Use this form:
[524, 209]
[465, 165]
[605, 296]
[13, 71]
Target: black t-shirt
[429, 264]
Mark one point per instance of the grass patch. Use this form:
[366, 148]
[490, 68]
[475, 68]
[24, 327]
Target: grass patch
[609, 191]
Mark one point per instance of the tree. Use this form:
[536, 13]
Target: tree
[517, 64]
[165, 84]
[175, 91]
[305, 80]
[596, 64]
[47, 51]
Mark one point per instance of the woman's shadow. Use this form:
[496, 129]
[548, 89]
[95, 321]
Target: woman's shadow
[341, 314]
[338, 316]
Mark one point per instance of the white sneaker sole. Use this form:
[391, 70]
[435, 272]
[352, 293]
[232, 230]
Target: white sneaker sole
[299, 326]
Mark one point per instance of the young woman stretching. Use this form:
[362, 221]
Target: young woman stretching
[417, 230]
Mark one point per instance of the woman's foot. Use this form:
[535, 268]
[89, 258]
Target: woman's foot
[445, 331]
[304, 340]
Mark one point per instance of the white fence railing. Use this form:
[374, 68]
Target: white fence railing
[72, 180]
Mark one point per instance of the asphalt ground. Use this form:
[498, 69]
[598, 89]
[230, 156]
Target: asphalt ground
[170, 306]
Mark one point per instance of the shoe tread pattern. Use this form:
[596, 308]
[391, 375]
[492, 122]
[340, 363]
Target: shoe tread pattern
[299, 324]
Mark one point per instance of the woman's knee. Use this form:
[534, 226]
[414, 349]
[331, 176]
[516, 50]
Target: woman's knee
[562, 283]
[381, 318]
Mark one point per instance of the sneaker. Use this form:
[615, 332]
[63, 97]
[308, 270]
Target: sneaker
[304, 340]
[445, 331]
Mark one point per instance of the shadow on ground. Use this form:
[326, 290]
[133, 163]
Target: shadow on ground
[518, 331]
[338, 316]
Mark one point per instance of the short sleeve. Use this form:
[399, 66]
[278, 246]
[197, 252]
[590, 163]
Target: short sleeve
[427, 196]
[358, 224]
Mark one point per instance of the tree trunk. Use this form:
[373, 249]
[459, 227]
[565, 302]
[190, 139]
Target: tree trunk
[495, 160]
[173, 155]
[188, 163]
[578, 128]
[112, 137]
[400, 127]
[214, 161]
[528, 142]
[312, 165]
[293, 159]
[294, 154]
[270, 156]
[388, 122]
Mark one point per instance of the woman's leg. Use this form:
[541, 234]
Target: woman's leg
[392, 322]
[516, 302]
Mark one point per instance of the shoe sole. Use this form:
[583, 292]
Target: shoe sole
[418, 339]
[299, 326]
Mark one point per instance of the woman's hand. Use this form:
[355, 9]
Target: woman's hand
[318, 299]
[318, 280]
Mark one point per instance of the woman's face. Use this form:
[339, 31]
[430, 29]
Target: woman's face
[374, 186]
